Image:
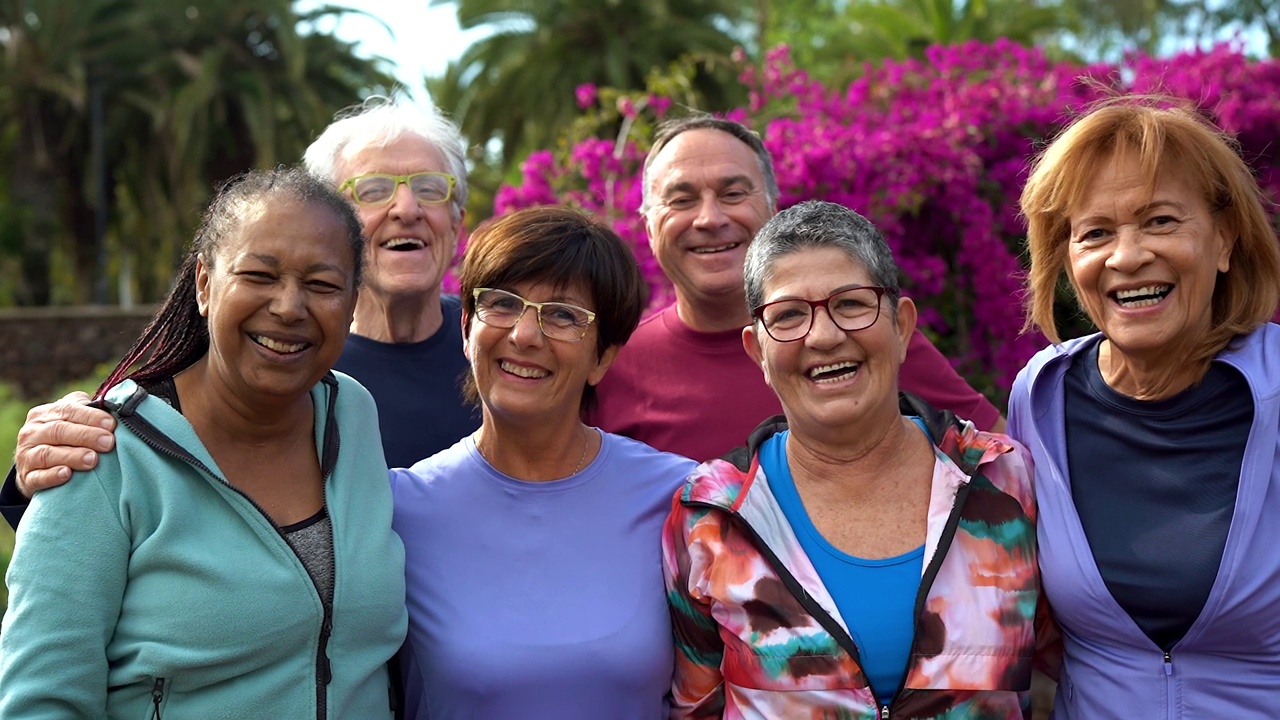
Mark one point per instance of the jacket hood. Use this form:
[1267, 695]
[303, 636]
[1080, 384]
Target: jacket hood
[1249, 351]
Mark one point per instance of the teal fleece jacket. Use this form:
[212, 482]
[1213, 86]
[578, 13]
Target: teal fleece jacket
[149, 587]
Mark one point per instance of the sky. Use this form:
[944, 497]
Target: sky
[419, 38]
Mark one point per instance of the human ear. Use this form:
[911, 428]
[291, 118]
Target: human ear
[602, 365]
[906, 324]
[202, 287]
[751, 343]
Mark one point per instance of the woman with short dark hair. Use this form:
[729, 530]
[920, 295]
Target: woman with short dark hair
[533, 560]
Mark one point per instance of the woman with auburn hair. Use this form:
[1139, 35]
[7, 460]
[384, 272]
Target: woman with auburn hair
[1155, 439]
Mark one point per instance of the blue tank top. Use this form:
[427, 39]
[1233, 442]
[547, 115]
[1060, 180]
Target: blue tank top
[880, 620]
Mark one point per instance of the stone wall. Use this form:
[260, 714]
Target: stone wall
[41, 348]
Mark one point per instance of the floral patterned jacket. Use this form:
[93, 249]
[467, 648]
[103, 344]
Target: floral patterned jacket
[758, 636]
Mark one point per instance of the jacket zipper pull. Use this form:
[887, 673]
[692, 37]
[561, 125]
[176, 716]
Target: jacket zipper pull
[1168, 663]
[884, 712]
[157, 697]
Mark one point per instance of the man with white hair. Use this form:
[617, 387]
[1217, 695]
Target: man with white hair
[402, 165]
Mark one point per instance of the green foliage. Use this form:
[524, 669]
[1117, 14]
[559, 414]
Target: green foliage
[189, 94]
[516, 86]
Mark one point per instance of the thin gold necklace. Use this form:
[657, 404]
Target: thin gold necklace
[586, 443]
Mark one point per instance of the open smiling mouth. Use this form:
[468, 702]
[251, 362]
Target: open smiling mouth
[524, 372]
[403, 244]
[1143, 296]
[282, 348]
[716, 249]
[834, 373]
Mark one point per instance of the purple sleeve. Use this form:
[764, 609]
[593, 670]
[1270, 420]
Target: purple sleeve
[927, 373]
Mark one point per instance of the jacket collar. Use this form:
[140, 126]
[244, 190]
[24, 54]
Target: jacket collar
[725, 482]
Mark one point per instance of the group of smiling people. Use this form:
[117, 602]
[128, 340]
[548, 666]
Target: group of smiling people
[863, 555]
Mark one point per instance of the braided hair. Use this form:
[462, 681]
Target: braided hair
[178, 335]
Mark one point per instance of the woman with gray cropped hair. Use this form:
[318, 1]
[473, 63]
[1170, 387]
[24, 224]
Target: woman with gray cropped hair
[769, 551]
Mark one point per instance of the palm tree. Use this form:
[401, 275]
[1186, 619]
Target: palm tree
[193, 94]
[237, 86]
[516, 85]
[52, 53]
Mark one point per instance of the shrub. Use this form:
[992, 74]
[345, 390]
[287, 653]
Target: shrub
[933, 151]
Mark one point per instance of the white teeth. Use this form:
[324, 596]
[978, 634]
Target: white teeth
[1145, 296]
[1148, 290]
[524, 372]
[404, 243]
[279, 347]
[1141, 303]
[832, 372]
[718, 248]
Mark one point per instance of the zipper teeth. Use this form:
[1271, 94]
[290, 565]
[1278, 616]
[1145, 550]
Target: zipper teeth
[828, 623]
[331, 440]
[158, 441]
[144, 429]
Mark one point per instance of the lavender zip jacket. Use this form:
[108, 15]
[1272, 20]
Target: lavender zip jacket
[1228, 664]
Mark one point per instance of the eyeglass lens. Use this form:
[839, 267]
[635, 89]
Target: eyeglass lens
[852, 309]
[426, 187]
[558, 320]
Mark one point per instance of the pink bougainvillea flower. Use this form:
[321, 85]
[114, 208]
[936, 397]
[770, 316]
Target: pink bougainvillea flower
[934, 152]
[586, 94]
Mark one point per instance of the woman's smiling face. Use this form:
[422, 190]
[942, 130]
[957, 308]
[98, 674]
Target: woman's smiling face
[831, 377]
[521, 374]
[279, 296]
[1144, 260]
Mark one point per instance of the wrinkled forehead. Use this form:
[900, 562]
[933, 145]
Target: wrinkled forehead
[402, 154]
[1141, 169]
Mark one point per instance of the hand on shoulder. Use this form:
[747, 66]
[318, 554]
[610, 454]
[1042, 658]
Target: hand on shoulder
[58, 438]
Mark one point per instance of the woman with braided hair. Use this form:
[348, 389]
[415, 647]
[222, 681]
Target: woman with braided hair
[239, 536]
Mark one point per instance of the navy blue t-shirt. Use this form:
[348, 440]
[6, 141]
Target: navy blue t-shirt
[418, 388]
[1154, 484]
